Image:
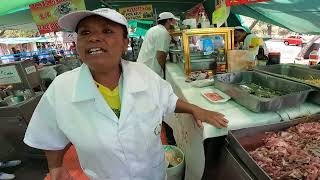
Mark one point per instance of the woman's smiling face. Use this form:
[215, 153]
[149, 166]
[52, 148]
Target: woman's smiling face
[101, 43]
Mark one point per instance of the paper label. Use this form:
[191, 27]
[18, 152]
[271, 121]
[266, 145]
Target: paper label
[30, 69]
[9, 75]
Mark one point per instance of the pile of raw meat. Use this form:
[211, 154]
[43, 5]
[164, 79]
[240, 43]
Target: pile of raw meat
[291, 154]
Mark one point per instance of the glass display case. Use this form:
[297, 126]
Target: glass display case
[202, 49]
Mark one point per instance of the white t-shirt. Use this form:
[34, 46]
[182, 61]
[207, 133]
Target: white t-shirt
[125, 148]
[157, 39]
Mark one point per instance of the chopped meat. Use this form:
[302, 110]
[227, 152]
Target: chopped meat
[213, 96]
[291, 154]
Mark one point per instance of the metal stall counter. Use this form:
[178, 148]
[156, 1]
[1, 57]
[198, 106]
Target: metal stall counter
[203, 147]
[17, 105]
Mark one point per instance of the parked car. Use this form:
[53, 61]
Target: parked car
[294, 40]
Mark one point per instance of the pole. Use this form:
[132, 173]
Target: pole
[155, 15]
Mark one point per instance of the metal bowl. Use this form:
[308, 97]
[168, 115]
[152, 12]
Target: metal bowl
[2, 103]
[13, 100]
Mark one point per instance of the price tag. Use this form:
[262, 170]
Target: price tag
[30, 69]
[9, 75]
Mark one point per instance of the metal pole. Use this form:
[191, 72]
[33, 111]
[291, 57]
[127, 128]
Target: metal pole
[155, 15]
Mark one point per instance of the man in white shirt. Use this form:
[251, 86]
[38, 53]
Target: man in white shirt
[155, 46]
[244, 35]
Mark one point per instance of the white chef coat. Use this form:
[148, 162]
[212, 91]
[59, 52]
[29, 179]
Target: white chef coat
[128, 148]
[157, 39]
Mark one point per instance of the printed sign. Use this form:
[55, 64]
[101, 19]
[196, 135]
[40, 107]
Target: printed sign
[9, 75]
[47, 13]
[239, 2]
[221, 13]
[30, 69]
[195, 12]
[137, 12]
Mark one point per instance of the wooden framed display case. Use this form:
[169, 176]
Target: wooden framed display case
[203, 49]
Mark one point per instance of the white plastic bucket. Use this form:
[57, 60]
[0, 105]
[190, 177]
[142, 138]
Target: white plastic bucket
[175, 171]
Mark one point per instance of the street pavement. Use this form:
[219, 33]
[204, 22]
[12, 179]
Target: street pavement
[288, 53]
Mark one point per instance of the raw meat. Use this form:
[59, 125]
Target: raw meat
[291, 154]
[213, 96]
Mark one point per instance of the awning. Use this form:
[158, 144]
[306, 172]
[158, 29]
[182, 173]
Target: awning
[19, 20]
[297, 15]
[24, 40]
[12, 6]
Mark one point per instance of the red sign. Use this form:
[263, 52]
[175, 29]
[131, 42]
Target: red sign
[239, 2]
[47, 12]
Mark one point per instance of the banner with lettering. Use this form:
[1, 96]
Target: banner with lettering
[239, 2]
[221, 13]
[137, 12]
[47, 13]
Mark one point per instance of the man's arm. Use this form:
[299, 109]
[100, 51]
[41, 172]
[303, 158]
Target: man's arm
[201, 115]
[161, 57]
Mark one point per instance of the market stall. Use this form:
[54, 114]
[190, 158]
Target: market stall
[260, 95]
[202, 146]
[203, 53]
[17, 105]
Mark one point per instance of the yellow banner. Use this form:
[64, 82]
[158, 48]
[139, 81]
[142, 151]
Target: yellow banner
[137, 12]
[47, 13]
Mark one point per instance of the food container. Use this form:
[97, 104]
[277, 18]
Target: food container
[292, 72]
[223, 96]
[295, 73]
[13, 100]
[273, 58]
[230, 84]
[244, 140]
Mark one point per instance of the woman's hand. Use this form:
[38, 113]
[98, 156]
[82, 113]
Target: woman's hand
[214, 118]
[60, 173]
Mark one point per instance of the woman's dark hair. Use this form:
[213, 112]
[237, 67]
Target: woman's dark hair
[163, 21]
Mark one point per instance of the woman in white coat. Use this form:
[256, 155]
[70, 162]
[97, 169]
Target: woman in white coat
[109, 109]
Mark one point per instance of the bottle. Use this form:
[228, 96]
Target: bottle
[261, 57]
[241, 46]
[252, 57]
[205, 23]
[313, 57]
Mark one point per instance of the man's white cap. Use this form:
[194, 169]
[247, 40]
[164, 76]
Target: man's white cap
[71, 20]
[167, 15]
[242, 28]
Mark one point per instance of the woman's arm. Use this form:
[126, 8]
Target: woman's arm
[55, 164]
[201, 115]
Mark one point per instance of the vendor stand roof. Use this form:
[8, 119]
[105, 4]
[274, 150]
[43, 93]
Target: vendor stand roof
[296, 15]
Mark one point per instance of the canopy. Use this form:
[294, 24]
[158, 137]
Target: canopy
[12, 6]
[24, 40]
[19, 20]
[141, 26]
[297, 15]
[174, 6]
